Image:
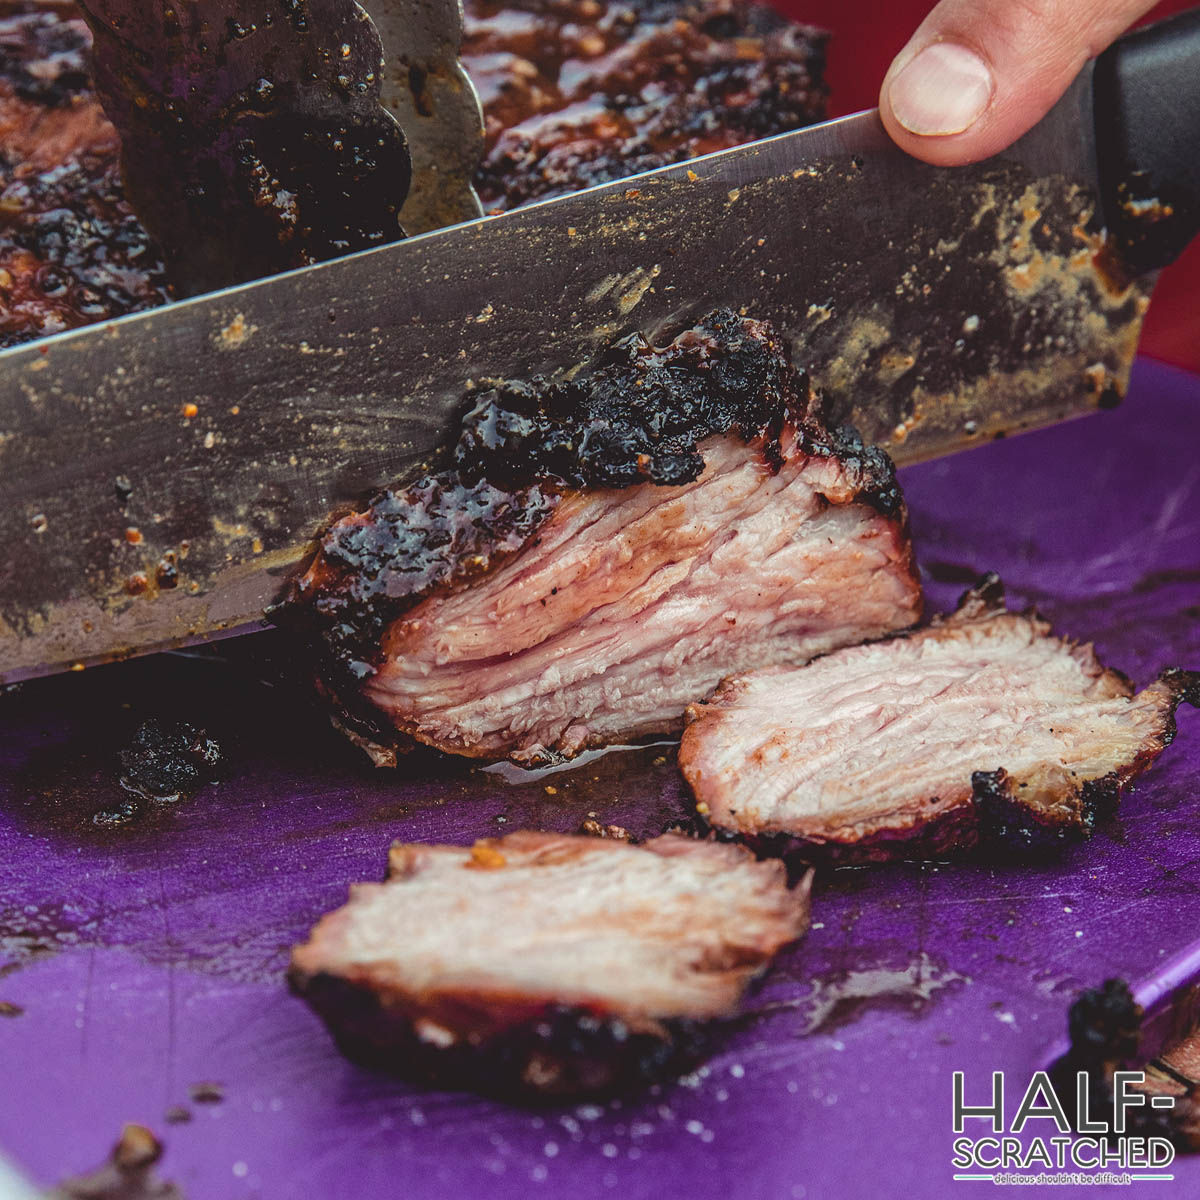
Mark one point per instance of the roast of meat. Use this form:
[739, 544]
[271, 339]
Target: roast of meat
[603, 551]
[578, 92]
[546, 963]
[982, 727]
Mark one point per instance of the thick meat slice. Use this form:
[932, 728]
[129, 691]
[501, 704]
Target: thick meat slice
[604, 551]
[578, 92]
[545, 963]
[980, 726]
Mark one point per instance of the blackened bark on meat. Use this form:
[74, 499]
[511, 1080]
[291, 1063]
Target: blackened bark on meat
[1006, 820]
[565, 1052]
[580, 92]
[678, 929]
[251, 144]
[637, 416]
[44, 58]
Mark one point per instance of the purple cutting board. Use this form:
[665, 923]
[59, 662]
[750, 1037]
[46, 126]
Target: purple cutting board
[150, 958]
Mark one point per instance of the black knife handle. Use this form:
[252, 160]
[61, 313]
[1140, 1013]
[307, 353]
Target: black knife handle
[1147, 107]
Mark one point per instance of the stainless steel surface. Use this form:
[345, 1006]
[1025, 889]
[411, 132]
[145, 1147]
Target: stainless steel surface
[934, 307]
[426, 89]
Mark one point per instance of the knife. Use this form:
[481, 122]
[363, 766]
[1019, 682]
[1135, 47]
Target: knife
[162, 475]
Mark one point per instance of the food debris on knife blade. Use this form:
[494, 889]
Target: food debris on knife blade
[982, 729]
[580, 965]
[604, 550]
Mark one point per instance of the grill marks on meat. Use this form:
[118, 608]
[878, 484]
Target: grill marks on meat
[605, 550]
[71, 250]
[580, 964]
[981, 728]
[578, 92]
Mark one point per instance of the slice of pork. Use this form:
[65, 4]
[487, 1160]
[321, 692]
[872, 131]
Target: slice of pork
[982, 726]
[546, 963]
[604, 551]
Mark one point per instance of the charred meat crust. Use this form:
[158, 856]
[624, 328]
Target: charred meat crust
[637, 415]
[494, 1024]
[564, 1052]
[578, 92]
[1003, 815]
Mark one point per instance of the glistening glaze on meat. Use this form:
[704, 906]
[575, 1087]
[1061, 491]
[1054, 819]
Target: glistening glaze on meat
[980, 728]
[580, 965]
[578, 92]
[71, 250]
[604, 550]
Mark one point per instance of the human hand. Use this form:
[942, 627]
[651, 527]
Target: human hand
[978, 73]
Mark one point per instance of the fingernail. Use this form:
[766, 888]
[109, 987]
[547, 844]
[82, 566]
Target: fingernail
[943, 89]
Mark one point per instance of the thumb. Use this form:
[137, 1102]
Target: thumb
[978, 73]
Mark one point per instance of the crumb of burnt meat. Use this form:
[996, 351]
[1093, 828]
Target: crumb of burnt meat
[580, 92]
[177, 1114]
[207, 1092]
[637, 415]
[127, 1174]
[168, 761]
[8, 1009]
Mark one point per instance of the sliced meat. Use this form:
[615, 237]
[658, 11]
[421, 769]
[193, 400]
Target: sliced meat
[603, 551]
[71, 250]
[982, 726]
[546, 963]
[578, 92]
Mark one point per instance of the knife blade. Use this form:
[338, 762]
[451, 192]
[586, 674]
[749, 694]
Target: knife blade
[161, 475]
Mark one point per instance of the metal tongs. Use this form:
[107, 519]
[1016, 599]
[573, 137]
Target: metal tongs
[256, 143]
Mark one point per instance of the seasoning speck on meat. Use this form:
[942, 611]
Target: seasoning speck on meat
[580, 965]
[603, 550]
[982, 728]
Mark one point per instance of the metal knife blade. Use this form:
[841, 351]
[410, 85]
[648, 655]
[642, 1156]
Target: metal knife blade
[162, 474]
